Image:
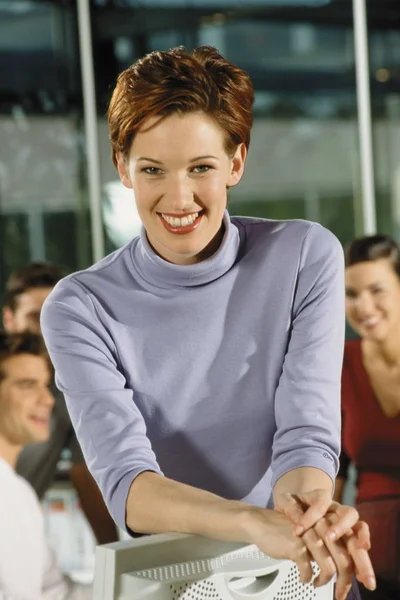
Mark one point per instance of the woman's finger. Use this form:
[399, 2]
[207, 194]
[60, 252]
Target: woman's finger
[362, 563]
[303, 558]
[321, 556]
[363, 566]
[347, 517]
[289, 506]
[315, 506]
[362, 532]
[342, 558]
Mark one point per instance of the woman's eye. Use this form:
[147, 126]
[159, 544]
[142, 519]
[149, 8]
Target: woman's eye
[151, 170]
[350, 294]
[202, 168]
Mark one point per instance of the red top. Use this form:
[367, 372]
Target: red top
[370, 439]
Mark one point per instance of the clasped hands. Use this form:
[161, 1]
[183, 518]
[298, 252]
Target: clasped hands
[332, 535]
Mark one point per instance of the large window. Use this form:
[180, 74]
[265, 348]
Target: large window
[303, 160]
[43, 208]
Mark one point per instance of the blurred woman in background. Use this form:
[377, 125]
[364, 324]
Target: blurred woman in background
[371, 401]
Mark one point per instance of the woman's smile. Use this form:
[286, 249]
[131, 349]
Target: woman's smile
[181, 225]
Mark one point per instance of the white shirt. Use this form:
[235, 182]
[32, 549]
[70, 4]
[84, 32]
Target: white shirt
[28, 569]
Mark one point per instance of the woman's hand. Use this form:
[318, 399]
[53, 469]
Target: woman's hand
[272, 532]
[341, 532]
[307, 508]
[349, 557]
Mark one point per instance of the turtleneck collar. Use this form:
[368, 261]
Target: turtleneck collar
[161, 273]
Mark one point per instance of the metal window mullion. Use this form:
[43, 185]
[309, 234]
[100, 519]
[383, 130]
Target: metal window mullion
[90, 126]
[364, 117]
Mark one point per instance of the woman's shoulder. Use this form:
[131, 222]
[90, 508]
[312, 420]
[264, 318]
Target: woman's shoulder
[102, 278]
[259, 225]
[295, 232]
[293, 242]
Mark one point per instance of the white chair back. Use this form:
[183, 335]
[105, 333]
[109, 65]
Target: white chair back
[182, 567]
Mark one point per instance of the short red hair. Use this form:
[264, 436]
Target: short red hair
[162, 83]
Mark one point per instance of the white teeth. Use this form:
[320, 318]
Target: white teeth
[370, 321]
[175, 222]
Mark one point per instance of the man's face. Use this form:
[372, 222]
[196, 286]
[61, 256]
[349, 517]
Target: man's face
[25, 400]
[26, 316]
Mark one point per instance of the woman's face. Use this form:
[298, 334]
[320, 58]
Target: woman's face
[373, 299]
[179, 172]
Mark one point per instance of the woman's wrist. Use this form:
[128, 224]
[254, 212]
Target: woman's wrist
[250, 519]
[303, 479]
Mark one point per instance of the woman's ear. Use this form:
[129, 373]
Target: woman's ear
[237, 165]
[123, 170]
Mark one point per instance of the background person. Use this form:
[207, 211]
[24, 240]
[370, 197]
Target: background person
[371, 400]
[201, 362]
[26, 290]
[28, 568]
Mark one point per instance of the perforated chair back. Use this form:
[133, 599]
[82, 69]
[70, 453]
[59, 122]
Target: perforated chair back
[181, 567]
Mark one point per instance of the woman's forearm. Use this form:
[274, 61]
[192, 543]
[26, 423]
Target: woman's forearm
[157, 504]
[303, 479]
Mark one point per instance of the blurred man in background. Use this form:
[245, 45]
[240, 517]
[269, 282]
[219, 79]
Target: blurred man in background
[27, 565]
[26, 291]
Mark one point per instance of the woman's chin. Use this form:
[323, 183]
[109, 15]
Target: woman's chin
[377, 334]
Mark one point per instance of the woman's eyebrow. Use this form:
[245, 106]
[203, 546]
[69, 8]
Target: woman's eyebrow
[158, 162]
[207, 156]
[192, 160]
[375, 283]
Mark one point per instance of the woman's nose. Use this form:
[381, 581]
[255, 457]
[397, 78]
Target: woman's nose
[365, 303]
[179, 195]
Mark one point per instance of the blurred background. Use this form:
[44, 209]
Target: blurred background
[59, 195]
[324, 83]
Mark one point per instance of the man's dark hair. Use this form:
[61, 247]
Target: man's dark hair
[14, 344]
[34, 275]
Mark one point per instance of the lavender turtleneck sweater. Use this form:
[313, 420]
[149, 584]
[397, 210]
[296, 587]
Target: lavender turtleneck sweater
[223, 375]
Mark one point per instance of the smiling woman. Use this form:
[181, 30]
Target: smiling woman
[182, 147]
[201, 362]
[371, 400]
[186, 194]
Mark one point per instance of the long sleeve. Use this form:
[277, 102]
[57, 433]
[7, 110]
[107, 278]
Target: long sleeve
[109, 426]
[307, 400]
